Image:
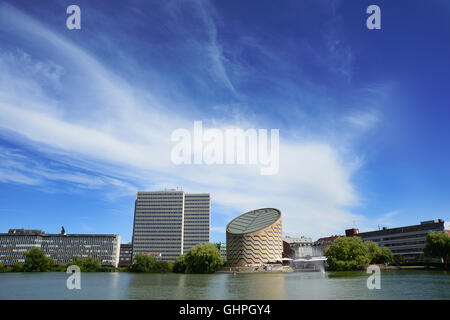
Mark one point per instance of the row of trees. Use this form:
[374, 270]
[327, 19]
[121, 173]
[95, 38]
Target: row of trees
[349, 253]
[35, 261]
[148, 263]
[203, 258]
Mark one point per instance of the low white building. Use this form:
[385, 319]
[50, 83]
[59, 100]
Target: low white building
[60, 247]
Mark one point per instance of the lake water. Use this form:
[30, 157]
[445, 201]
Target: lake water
[395, 284]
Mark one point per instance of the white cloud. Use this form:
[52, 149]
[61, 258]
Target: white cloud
[218, 229]
[125, 139]
[363, 120]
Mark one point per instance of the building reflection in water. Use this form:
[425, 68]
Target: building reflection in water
[207, 286]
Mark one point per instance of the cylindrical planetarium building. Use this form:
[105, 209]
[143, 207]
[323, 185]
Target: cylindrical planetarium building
[254, 238]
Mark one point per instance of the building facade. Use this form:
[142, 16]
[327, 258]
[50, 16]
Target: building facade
[197, 208]
[300, 247]
[223, 249]
[318, 247]
[168, 223]
[254, 238]
[301, 239]
[60, 247]
[126, 250]
[407, 242]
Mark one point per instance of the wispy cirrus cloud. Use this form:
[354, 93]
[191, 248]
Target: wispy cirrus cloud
[97, 119]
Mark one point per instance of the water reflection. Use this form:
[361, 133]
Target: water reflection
[395, 284]
[256, 286]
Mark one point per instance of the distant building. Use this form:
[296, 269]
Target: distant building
[408, 241]
[301, 239]
[288, 252]
[318, 247]
[168, 223]
[223, 249]
[61, 247]
[326, 241]
[254, 238]
[351, 232]
[126, 250]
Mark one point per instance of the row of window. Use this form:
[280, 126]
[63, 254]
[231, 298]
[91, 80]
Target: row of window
[162, 214]
[144, 239]
[399, 231]
[173, 202]
[403, 243]
[158, 224]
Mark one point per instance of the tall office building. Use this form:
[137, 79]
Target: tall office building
[168, 223]
[196, 220]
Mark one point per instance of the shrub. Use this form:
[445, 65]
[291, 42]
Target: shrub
[437, 245]
[377, 254]
[203, 258]
[37, 261]
[180, 264]
[347, 253]
[148, 264]
[88, 264]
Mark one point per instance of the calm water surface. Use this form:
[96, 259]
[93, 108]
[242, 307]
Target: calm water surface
[396, 284]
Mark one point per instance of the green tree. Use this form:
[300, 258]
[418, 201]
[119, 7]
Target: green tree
[143, 263]
[163, 267]
[203, 258]
[4, 268]
[437, 245]
[18, 267]
[88, 264]
[148, 263]
[347, 253]
[377, 254]
[385, 256]
[37, 261]
[180, 264]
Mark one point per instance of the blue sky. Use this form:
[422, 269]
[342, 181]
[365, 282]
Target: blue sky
[87, 115]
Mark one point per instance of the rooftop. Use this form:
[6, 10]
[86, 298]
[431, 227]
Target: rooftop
[253, 221]
[37, 232]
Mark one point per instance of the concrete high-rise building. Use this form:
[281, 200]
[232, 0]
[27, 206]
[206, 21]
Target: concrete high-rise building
[197, 210]
[168, 223]
[60, 247]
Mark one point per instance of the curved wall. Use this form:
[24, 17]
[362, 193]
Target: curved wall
[255, 248]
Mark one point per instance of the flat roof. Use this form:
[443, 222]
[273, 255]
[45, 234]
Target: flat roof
[253, 221]
[423, 226]
[59, 234]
